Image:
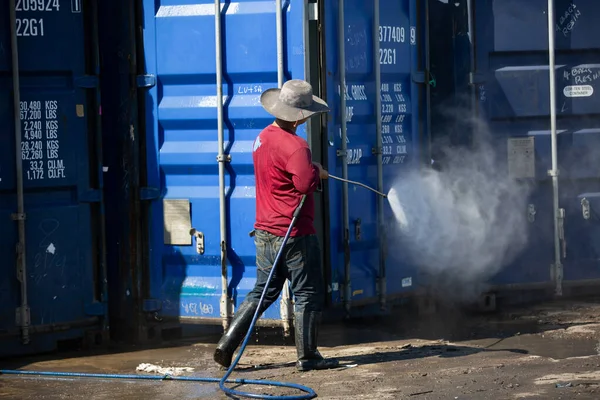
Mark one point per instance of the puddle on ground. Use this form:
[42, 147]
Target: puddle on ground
[536, 345]
[17, 387]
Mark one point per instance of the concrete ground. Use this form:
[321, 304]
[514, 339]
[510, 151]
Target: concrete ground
[548, 351]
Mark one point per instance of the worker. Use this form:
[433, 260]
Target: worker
[284, 171]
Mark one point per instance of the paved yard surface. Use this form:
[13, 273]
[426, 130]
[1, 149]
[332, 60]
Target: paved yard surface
[548, 351]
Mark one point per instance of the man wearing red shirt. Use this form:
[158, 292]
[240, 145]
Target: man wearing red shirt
[284, 172]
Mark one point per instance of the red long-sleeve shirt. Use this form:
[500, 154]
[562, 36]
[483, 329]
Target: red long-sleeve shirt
[284, 172]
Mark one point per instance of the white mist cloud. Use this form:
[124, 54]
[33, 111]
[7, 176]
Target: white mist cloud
[462, 224]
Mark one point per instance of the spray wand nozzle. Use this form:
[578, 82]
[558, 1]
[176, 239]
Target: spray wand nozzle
[358, 184]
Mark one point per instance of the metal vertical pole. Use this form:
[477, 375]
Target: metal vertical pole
[343, 154]
[279, 27]
[557, 268]
[382, 280]
[23, 311]
[225, 303]
[99, 155]
[427, 158]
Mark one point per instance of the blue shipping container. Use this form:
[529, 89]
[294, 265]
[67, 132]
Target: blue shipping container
[511, 76]
[62, 175]
[356, 246]
[184, 272]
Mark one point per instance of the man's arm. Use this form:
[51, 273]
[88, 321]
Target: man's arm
[305, 175]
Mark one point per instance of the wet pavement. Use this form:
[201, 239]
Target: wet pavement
[550, 351]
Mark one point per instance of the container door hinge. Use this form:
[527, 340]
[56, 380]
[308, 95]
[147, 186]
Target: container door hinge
[199, 240]
[531, 213]
[152, 305]
[95, 309]
[476, 78]
[224, 158]
[22, 318]
[145, 81]
[149, 193]
[91, 196]
[377, 151]
[341, 153]
[585, 208]
[87, 82]
[357, 229]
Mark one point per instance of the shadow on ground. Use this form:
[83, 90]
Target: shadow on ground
[407, 352]
[471, 333]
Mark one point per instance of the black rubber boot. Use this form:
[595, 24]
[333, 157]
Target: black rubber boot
[235, 334]
[306, 325]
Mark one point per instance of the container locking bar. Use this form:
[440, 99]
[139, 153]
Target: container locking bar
[23, 319]
[558, 274]
[226, 306]
[341, 25]
[378, 153]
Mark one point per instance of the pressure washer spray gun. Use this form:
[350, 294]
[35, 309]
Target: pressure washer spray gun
[358, 184]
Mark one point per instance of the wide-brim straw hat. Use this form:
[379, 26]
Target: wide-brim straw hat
[293, 102]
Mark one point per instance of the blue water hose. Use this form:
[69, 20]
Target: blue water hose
[309, 393]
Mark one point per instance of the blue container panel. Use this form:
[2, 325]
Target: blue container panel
[514, 96]
[398, 58]
[63, 273]
[182, 145]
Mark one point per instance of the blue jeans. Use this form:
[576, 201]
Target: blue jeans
[300, 263]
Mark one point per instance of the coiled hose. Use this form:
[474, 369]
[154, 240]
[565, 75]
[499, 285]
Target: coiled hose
[309, 393]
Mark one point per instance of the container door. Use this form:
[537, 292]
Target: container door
[512, 81]
[64, 277]
[184, 270]
[356, 238]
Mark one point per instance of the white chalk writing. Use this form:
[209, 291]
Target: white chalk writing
[568, 19]
[249, 89]
[197, 308]
[581, 74]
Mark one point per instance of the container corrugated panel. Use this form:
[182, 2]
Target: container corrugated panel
[61, 176]
[179, 44]
[513, 93]
[400, 55]
[181, 149]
